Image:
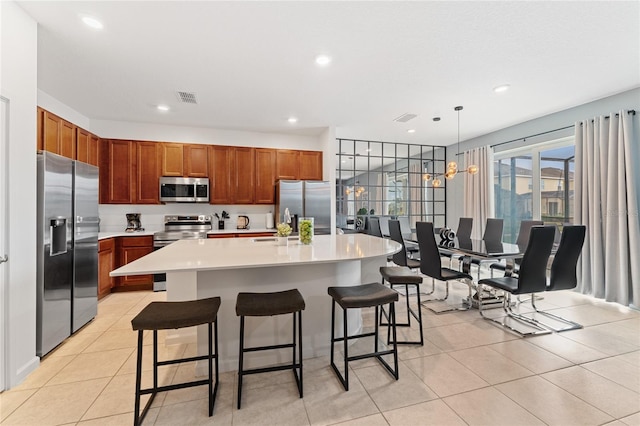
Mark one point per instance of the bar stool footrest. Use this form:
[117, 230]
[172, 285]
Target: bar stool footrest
[270, 369]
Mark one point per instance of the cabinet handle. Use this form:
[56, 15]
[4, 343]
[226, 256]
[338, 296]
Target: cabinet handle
[4, 259]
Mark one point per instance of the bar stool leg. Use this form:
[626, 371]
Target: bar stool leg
[241, 360]
[300, 347]
[210, 328]
[155, 361]
[346, 349]
[136, 414]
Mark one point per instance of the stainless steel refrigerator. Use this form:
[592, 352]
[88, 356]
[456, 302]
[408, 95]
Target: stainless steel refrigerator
[67, 248]
[308, 198]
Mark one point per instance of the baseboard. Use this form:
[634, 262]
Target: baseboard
[23, 372]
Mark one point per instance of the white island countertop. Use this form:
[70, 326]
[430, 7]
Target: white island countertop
[234, 253]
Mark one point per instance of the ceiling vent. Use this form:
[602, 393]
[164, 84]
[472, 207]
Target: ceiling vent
[187, 97]
[405, 117]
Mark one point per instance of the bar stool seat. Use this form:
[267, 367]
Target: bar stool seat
[270, 304]
[363, 296]
[173, 315]
[399, 275]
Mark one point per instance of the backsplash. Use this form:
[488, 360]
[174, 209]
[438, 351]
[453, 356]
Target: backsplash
[113, 219]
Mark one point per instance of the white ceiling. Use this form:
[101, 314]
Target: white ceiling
[251, 64]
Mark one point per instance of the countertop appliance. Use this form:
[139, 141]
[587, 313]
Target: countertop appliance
[243, 222]
[309, 198]
[184, 190]
[67, 248]
[133, 222]
[187, 227]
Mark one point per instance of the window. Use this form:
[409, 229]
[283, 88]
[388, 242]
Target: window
[535, 182]
[385, 179]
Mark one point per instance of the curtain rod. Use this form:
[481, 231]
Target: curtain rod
[631, 111]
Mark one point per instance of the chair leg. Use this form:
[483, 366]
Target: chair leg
[571, 325]
[240, 361]
[136, 412]
[530, 322]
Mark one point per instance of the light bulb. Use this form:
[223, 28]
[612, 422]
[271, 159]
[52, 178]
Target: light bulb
[426, 177]
[473, 169]
[436, 183]
[453, 165]
[450, 174]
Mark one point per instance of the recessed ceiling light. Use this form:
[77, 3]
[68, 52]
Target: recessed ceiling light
[163, 107]
[92, 22]
[292, 120]
[501, 88]
[323, 60]
[411, 131]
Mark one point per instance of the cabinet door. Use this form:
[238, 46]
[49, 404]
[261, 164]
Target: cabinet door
[172, 159]
[133, 248]
[265, 192]
[220, 174]
[243, 172]
[92, 154]
[287, 164]
[68, 140]
[116, 172]
[51, 128]
[310, 165]
[105, 266]
[82, 145]
[196, 160]
[147, 173]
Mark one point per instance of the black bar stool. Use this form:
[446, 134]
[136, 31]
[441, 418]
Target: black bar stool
[398, 275]
[363, 296]
[173, 315]
[269, 304]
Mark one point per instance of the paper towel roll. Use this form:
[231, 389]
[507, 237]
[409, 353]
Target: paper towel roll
[268, 220]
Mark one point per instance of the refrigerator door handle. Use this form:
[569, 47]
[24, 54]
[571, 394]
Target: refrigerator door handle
[91, 220]
[4, 259]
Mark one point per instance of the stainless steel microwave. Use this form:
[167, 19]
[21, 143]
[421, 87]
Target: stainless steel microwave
[184, 190]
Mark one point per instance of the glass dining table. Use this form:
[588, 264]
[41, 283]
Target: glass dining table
[480, 251]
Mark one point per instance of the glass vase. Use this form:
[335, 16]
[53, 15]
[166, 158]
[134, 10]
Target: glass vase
[305, 230]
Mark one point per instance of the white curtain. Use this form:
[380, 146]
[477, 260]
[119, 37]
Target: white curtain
[478, 188]
[415, 193]
[607, 184]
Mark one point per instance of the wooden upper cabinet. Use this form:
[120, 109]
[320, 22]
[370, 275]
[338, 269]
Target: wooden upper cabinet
[68, 140]
[40, 136]
[310, 165]
[92, 154]
[83, 139]
[117, 172]
[147, 166]
[265, 192]
[220, 174]
[287, 164]
[196, 162]
[243, 175]
[172, 159]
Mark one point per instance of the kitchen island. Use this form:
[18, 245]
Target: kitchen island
[224, 267]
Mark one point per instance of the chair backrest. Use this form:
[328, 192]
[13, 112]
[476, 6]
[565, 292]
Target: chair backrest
[493, 230]
[465, 225]
[430, 264]
[374, 227]
[532, 277]
[563, 268]
[405, 227]
[525, 228]
[384, 225]
[399, 258]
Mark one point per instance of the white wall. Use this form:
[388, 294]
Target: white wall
[18, 83]
[53, 105]
[522, 132]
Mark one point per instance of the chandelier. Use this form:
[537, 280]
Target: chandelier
[359, 190]
[452, 167]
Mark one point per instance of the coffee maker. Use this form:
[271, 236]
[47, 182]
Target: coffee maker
[133, 222]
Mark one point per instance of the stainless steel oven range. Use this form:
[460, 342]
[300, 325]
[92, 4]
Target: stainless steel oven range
[187, 227]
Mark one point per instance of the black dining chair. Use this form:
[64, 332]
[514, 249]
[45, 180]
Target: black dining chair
[465, 226]
[522, 241]
[563, 270]
[493, 234]
[531, 279]
[403, 275]
[374, 227]
[430, 265]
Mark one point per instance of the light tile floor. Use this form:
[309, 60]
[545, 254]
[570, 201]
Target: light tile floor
[468, 372]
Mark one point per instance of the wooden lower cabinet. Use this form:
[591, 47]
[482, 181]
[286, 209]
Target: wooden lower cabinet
[106, 263]
[221, 236]
[130, 249]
